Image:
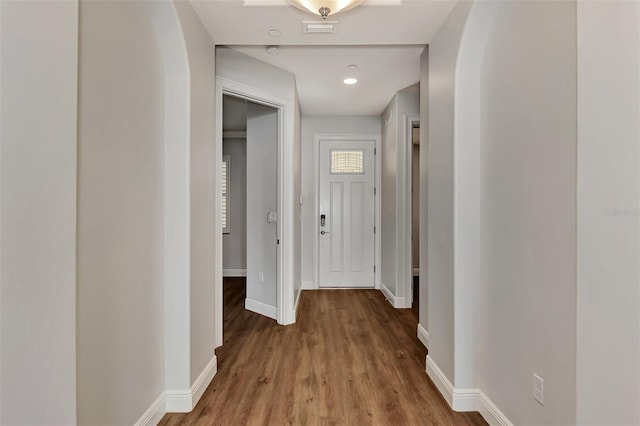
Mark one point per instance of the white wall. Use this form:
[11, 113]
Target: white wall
[39, 63]
[415, 206]
[297, 192]
[311, 126]
[395, 223]
[423, 314]
[443, 52]
[533, 135]
[201, 56]
[408, 105]
[242, 68]
[523, 293]
[396, 190]
[608, 290]
[388, 214]
[120, 265]
[120, 214]
[176, 196]
[235, 243]
[262, 198]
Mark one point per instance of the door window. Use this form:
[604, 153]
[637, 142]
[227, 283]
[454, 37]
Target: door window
[347, 162]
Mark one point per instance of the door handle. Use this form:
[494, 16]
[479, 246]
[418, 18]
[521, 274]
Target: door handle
[323, 232]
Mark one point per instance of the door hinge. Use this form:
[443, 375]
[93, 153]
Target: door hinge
[374, 190]
[374, 268]
[375, 151]
[278, 241]
[374, 229]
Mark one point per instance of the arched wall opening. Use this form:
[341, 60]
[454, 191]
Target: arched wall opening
[177, 195]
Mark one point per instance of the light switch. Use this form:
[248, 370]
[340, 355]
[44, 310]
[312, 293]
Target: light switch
[272, 217]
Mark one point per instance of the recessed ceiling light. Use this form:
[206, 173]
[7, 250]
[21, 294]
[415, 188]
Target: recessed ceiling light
[352, 67]
[350, 81]
[274, 32]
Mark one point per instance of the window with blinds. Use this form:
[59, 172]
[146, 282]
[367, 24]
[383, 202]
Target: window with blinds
[226, 160]
[347, 162]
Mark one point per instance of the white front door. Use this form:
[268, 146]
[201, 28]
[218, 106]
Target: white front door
[346, 213]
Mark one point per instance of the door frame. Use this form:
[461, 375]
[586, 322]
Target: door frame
[285, 312]
[406, 256]
[376, 138]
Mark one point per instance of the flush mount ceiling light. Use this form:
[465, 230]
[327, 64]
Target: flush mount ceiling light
[350, 81]
[325, 7]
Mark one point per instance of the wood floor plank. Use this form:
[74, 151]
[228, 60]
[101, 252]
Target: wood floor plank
[351, 359]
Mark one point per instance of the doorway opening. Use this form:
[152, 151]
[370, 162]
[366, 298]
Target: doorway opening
[249, 208]
[248, 230]
[415, 214]
[234, 189]
[411, 216]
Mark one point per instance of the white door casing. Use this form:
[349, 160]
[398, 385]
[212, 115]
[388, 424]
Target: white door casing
[285, 311]
[347, 202]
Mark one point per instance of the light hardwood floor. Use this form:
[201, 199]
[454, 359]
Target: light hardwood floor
[351, 359]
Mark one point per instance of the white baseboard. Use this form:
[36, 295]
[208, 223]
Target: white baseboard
[416, 272]
[179, 401]
[295, 308]
[465, 399]
[261, 308]
[154, 414]
[183, 401]
[308, 285]
[202, 382]
[490, 412]
[387, 293]
[234, 272]
[476, 400]
[440, 380]
[396, 302]
[423, 336]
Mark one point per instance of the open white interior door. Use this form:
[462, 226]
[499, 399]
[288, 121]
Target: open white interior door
[262, 208]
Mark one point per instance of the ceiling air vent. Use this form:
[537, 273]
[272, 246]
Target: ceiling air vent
[319, 27]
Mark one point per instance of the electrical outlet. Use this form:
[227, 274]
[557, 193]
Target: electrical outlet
[538, 389]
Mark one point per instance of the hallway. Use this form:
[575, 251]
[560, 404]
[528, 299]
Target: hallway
[351, 359]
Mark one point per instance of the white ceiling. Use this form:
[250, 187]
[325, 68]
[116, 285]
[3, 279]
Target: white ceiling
[229, 22]
[383, 37]
[320, 71]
